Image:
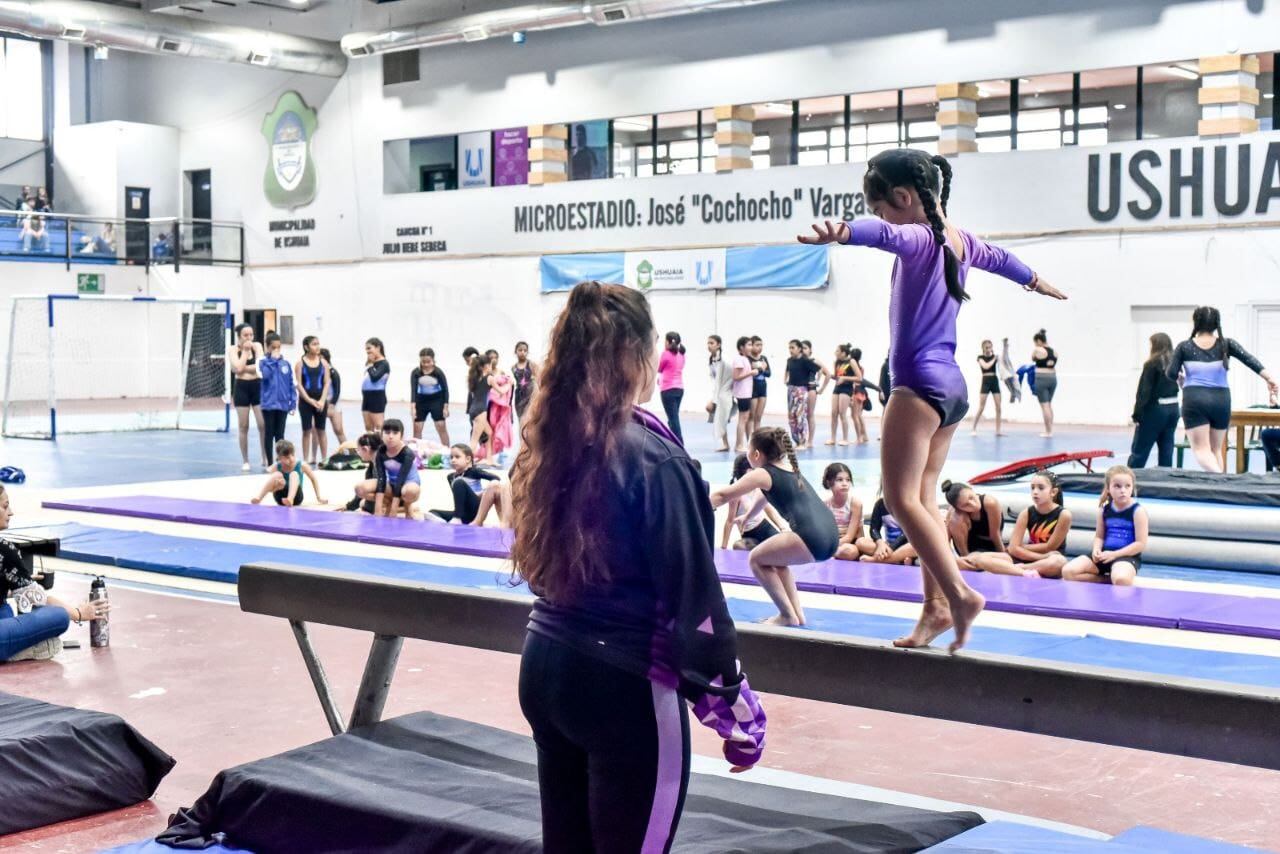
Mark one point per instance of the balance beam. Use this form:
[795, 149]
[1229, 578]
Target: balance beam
[1198, 718]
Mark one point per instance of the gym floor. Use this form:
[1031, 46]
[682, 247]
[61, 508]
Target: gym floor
[216, 687]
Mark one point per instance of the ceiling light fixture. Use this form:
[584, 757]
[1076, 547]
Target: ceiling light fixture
[1119, 106]
[1184, 72]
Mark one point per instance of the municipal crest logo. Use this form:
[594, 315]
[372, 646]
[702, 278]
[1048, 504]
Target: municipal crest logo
[644, 275]
[290, 180]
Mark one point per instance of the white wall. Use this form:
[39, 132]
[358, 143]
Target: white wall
[95, 162]
[340, 288]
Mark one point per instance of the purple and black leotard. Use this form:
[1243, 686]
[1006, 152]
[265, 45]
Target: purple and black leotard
[922, 314]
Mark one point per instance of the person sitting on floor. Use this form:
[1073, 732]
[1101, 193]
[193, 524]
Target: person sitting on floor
[892, 547]
[474, 490]
[31, 627]
[847, 510]
[1120, 538]
[974, 524]
[284, 483]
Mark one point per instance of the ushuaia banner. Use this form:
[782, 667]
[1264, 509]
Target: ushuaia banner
[796, 267]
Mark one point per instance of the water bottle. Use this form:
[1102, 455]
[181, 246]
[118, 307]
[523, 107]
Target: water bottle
[99, 630]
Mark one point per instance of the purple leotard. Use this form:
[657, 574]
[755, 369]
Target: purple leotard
[922, 315]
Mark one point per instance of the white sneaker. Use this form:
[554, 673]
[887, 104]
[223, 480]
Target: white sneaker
[246, 467]
[42, 651]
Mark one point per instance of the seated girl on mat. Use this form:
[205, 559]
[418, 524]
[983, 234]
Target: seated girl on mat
[846, 510]
[1045, 525]
[892, 547]
[754, 517]
[974, 525]
[470, 486]
[812, 537]
[396, 469]
[1120, 538]
[284, 482]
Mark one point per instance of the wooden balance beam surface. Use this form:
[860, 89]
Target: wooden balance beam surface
[1187, 717]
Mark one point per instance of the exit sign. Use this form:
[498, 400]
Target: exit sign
[91, 283]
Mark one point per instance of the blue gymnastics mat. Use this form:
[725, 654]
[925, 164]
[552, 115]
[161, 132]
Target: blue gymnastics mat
[1005, 837]
[220, 561]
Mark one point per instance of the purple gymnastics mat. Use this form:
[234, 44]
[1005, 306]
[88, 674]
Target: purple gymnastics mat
[1206, 612]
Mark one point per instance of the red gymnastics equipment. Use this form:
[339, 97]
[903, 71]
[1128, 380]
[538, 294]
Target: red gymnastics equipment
[1022, 468]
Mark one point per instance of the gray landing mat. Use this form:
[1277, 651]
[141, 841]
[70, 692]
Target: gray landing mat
[424, 782]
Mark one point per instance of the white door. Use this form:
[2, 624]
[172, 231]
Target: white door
[1266, 346]
[1147, 320]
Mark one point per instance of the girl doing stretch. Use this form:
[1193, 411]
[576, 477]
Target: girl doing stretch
[613, 534]
[396, 468]
[752, 514]
[284, 482]
[887, 543]
[974, 525]
[813, 535]
[908, 192]
[469, 486]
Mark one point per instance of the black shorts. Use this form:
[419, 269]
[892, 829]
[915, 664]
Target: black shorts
[1203, 405]
[312, 418]
[281, 494]
[759, 534]
[1104, 567]
[248, 393]
[428, 404]
[373, 401]
[990, 385]
[744, 404]
[759, 391]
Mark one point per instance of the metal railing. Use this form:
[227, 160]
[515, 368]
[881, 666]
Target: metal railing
[153, 241]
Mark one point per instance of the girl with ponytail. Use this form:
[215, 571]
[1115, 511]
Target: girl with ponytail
[613, 534]
[908, 192]
[813, 536]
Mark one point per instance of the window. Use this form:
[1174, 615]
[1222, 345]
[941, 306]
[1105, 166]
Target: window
[1267, 91]
[920, 118]
[821, 137]
[1115, 90]
[772, 126]
[21, 89]
[400, 66]
[995, 116]
[1170, 105]
[422, 165]
[709, 147]
[677, 143]
[873, 124]
[633, 147]
[1044, 103]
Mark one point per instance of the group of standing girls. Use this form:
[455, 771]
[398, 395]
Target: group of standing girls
[265, 386]
[738, 385]
[494, 396]
[1041, 375]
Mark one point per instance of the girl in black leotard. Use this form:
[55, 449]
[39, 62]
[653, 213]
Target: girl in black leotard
[974, 527]
[335, 392]
[813, 536]
[990, 385]
[1046, 361]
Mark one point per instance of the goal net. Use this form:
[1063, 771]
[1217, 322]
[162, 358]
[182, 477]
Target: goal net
[93, 364]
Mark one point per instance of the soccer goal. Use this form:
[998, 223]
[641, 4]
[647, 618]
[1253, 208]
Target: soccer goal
[93, 364]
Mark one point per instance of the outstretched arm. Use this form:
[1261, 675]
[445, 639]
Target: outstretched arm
[754, 479]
